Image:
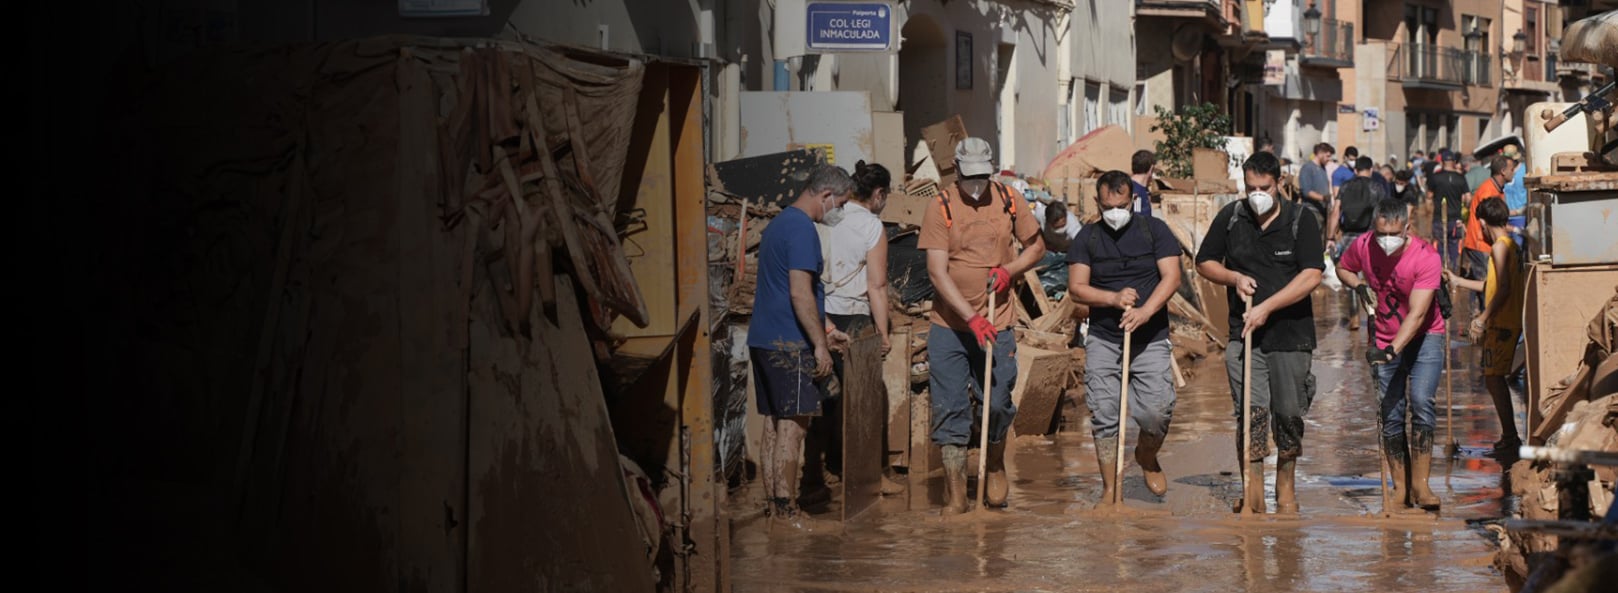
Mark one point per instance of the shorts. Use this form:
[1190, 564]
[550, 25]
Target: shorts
[785, 383]
[1499, 350]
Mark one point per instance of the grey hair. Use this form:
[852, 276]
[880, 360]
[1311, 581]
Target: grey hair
[1392, 210]
[830, 178]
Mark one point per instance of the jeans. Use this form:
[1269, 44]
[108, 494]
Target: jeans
[1353, 301]
[1283, 389]
[1411, 379]
[1151, 386]
[955, 381]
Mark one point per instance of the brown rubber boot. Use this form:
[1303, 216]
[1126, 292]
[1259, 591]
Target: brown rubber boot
[1146, 449]
[954, 479]
[1399, 468]
[1107, 460]
[1286, 487]
[1254, 496]
[997, 485]
[1421, 465]
[1354, 321]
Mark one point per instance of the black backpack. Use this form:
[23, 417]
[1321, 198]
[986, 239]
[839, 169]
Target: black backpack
[1358, 198]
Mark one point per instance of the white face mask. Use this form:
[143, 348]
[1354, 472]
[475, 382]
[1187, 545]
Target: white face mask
[833, 216]
[1260, 202]
[1116, 217]
[1398, 187]
[1391, 245]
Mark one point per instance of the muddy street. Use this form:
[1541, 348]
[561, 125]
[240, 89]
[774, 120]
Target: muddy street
[1053, 538]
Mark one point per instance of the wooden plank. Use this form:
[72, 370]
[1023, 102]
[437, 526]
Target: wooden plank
[896, 378]
[1038, 289]
[709, 530]
[1041, 380]
[864, 423]
[651, 252]
[432, 378]
[537, 414]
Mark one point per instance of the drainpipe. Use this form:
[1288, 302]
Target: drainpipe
[788, 38]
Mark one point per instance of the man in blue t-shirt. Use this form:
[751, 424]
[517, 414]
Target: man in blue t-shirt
[1126, 270]
[1345, 172]
[1142, 167]
[788, 340]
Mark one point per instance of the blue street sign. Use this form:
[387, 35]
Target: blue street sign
[862, 26]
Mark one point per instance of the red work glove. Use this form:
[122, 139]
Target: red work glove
[999, 279]
[982, 329]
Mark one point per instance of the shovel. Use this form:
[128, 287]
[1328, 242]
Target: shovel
[988, 394]
[1247, 408]
[1123, 421]
[1453, 448]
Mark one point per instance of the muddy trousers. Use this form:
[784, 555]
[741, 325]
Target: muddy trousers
[955, 382]
[1151, 386]
[1283, 388]
[1411, 380]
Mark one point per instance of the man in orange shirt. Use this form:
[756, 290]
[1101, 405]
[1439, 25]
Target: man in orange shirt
[1475, 264]
[968, 236]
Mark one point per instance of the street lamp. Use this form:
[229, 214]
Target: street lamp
[1519, 44]
[1311, 22]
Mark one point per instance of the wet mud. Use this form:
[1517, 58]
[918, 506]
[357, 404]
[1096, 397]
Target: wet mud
[1056, 537]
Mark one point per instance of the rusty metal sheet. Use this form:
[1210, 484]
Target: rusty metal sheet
[864, 424]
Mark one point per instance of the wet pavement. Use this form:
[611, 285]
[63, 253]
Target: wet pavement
[1053, 537]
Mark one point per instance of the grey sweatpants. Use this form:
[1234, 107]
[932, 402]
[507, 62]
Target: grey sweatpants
[1151, 386]
[1283, 388]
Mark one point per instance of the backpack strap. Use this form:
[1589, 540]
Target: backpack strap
[1009, 205]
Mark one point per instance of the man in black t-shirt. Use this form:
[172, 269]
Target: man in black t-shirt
[1126, 268]
[1450, 192]
[1272, 251]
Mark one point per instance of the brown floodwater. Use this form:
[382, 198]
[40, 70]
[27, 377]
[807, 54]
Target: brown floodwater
[1054, 538]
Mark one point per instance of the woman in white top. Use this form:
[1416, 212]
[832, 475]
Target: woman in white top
[857, 269]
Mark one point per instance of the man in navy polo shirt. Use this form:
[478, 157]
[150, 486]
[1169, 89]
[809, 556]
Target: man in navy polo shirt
[1126, 269]
[1142, 167]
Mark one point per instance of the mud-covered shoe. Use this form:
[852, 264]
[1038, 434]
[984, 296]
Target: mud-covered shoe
[1421, 465]
[998, 487]
[954, 479]
[1107, 461]
[1286, 487]
[892, 486]
[1507, 447]
[1394, 449]
[1146, 449]
[1253, 497]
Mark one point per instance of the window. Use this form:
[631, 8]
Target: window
[1118, 107]
[1531, 27]
[1481, 25]
[1092, 107]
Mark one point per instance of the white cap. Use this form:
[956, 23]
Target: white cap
[973, 157]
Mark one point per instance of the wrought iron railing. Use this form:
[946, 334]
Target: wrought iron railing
[1335, 42]
[1422, 62]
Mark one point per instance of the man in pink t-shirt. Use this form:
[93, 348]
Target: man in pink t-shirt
[1402, 276]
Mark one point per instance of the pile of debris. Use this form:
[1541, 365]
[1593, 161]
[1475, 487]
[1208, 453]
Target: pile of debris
[1566, 490]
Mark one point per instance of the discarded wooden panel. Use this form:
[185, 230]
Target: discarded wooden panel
[1559, 401]
[1041, 380]
[896, 379]
[1038, 289]
[1210, 164]
[1041, 339]
[537, 414]
[769, 180]
[653, 263]
[1559, 304]
[924, 456]
[864, 424]
[1215, 306]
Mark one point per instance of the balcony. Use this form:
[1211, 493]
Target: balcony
[1427, 66]
[1211, 11]
[1333, 47]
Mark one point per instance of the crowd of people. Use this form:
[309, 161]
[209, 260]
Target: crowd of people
[1270, 249]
